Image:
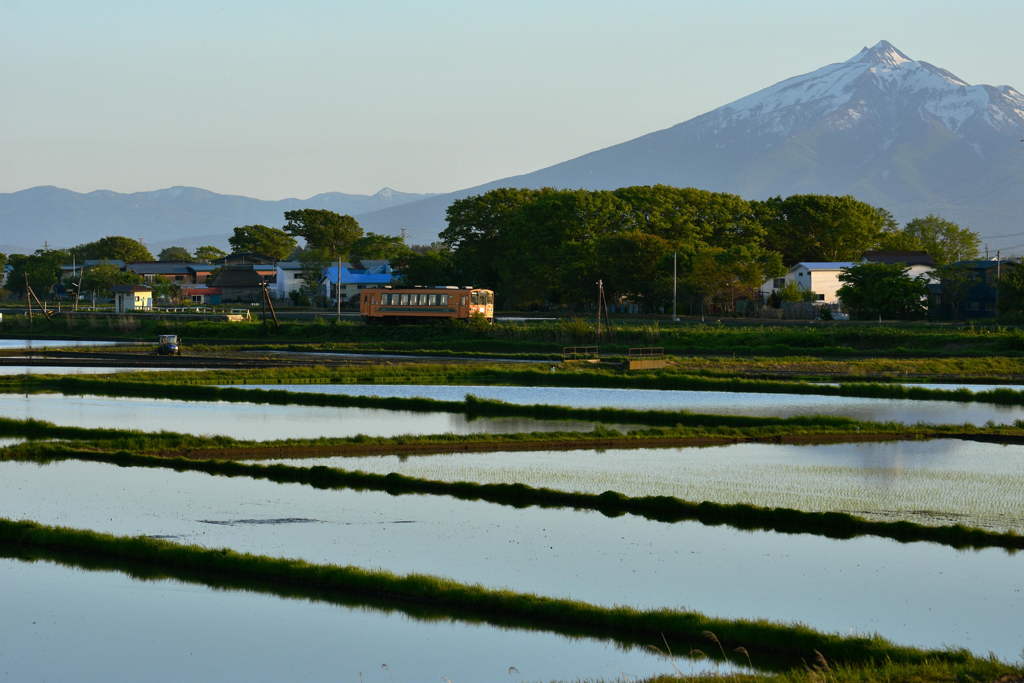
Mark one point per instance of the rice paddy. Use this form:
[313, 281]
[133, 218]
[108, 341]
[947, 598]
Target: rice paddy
[517, 563]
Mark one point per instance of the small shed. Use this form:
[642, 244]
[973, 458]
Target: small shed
[129, 298]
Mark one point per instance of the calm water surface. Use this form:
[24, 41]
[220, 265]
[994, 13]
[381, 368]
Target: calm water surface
[714, 402]
[931, 482]
[259, 422]
[920, 594]
[51, 343]
[168, 630]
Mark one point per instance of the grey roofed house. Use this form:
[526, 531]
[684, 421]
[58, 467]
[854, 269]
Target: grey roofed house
[160, 268]
[240, 283]
[909, 258]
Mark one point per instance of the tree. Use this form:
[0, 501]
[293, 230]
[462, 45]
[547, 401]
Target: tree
[327, 232]
[374, 246]
[882, 290]
[260, 239]
[720, 276]
[810, 227]
[945, 241]
[1011, 291]
[957, 283]
[41, 267]
[113, 248]
[208, 253]
[433, 265]
[102, 278]
[175, 254]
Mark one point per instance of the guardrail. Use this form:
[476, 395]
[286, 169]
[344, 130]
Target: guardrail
[580, 353]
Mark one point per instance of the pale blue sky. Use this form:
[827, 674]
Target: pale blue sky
[273, 100]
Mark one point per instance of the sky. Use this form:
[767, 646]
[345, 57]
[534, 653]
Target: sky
[275, 100]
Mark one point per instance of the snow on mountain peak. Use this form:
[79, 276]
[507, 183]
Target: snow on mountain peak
[846, 93]
[883, 52]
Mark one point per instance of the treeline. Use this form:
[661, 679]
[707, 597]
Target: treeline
[548, 247]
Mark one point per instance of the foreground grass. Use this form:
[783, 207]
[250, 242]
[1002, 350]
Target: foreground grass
[610, 503]
[771, 645]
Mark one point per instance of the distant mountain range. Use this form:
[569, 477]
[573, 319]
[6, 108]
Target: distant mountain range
[182, 216]
[897, 133]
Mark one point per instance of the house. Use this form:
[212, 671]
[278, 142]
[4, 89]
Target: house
[181, 273]
[820, 277]
[289, 277]
[969, 290]
[368, 273]
[200, 294]
[917, 262]
[128, 298]
[240, 283]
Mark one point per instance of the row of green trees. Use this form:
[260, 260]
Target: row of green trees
[548, 247]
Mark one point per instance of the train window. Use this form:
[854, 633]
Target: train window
[445, 299]
[423, 299]
[432, 299]
[464, 300]
[490, 298]
[403, 299]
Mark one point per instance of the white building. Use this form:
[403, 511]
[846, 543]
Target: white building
[820, 277]
[129, 298]
[289, 279]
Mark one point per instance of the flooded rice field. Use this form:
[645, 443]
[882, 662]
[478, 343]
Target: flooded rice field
[929, 482]
[54, 343]
[918, 594]
[77, 370]
[257, 421]
[714, 402]
[166, 630]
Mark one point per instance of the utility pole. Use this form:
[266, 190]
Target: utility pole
[339, 287]
[999, 272]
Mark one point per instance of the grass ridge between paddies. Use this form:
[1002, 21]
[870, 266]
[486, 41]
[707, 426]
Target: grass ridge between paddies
[771, 646]
[838, 525]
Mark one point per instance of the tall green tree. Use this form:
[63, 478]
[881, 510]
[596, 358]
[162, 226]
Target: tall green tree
[208, 253]
[178, 254]
[812, 227]
[944, 240]
[374, 246]
[42, 268]
[114, 247]
[102, 278]
[1011, 292]
[722, 275]
[882, 290]
[327, 232]
[433, 265]
[262, 239]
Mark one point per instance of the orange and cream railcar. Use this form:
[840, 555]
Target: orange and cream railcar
[409, 304]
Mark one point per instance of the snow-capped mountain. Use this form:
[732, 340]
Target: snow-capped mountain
[893, 131]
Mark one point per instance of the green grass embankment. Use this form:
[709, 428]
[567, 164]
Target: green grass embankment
[771, 645]
[610, 503]
[738, 336]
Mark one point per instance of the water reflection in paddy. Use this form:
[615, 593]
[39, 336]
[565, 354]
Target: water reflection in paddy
[55, 343]
[256, 421]
[167, 630]
[922, 594]
[714, 402]
[930, 482]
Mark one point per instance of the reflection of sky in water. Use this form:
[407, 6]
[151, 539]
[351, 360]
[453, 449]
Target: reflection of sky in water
[75, 370]
[171, 631]
[931, 482]
[52, 343]
[920, 594]
[258, 422]
[714, 402]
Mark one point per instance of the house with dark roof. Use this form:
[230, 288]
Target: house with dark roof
[242, 283]
[917, 262]
[179, 272]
